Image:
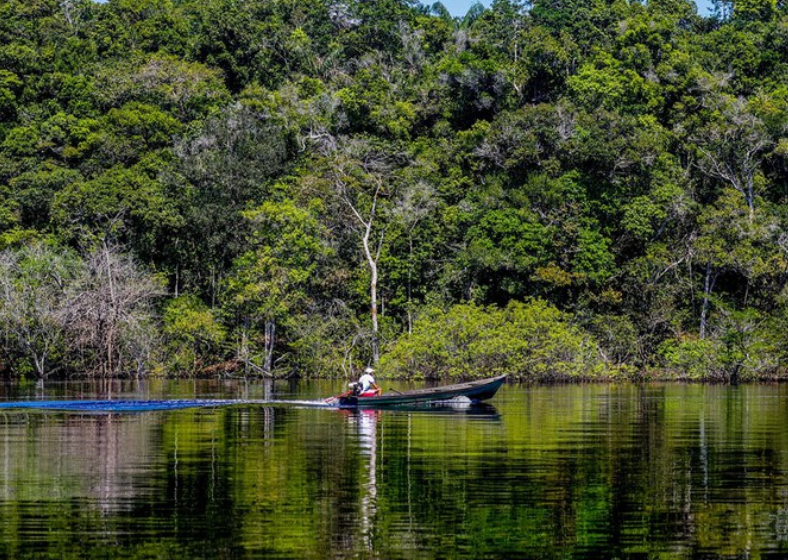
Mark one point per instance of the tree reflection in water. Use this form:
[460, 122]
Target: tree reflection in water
[577, 471]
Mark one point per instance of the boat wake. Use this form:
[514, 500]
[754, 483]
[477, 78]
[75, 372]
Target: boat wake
[115, 405]
[132, 406]
[109, 406]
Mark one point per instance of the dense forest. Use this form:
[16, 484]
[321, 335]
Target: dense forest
[557, 189]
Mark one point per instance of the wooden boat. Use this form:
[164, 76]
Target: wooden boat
[472, 391]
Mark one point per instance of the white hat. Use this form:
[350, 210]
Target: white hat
[369, 370]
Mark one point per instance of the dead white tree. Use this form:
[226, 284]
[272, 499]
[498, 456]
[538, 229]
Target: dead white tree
[108, 311]
[32, 292]
[361, 177]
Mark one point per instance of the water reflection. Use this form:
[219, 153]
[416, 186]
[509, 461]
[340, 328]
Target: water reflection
[547, 472]
[366, 422]
[484, 411]
[93, 457]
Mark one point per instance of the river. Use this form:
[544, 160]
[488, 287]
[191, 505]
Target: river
[579, 471]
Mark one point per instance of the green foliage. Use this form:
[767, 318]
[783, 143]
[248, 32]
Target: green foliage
[507, 239]
[326, 344]
[647, 216]
[617, 336]
[733, 238]
[606, 84]
[125, 204]
[134, 130]
[270, 283]
[748, 350]
[690, 357]
[593, 261]
[743, 346]
[330, 175]
[188, 90]
[269, 280]
[61, 137]
[531, 341]
[224, 165]
[32, 193]
[754, 10]
[194, 334]
[10, 86]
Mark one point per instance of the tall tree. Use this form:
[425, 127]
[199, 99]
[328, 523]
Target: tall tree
[270, 282]
[227, 165]
[360, 177]
[733, 145]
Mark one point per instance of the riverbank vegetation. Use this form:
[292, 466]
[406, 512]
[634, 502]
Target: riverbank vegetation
[573, 190]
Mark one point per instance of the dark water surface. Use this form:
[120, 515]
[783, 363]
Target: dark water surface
[601, 471]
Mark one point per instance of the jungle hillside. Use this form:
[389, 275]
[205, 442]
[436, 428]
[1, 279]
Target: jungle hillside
[561, 189]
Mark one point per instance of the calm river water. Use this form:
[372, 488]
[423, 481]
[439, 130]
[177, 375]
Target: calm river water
[599, 471]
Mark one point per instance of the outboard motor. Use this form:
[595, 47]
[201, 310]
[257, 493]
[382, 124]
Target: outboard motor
[355, 388]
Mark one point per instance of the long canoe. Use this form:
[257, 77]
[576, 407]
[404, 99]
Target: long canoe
[475, 391]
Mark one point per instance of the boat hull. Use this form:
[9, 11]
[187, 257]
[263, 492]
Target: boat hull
[475, 391]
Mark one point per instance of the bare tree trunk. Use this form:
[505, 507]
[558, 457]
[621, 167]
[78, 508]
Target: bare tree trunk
[375, 342]
[372, 261]
[373, 295]
[270, 332]
[410, 286]
[111, 311]
[243, 351]
[708, 286]
[40, 365]
[746, 291]
[750, 196]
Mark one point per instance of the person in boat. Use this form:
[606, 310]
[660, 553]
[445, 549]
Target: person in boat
[364, 387]
[367, 386]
